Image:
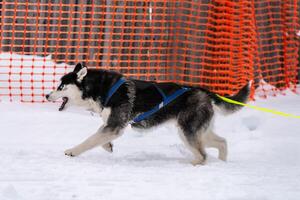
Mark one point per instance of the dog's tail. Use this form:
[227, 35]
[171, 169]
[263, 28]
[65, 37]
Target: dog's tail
[228, 108]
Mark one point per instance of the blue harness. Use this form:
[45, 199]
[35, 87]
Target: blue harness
[113, 89]
[145, 115]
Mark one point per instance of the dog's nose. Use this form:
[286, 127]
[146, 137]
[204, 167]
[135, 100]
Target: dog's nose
[47, 96]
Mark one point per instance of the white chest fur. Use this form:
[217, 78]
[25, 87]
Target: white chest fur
[94, 106]
[105, 114]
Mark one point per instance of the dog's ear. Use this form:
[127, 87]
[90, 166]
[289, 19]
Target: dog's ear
[81, 74]
[81, 71]
[78, 67]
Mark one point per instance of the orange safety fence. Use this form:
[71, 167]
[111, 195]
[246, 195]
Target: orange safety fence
[216, 44]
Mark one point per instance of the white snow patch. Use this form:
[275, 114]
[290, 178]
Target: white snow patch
[251, 122]
[263, 157]
[10, 193]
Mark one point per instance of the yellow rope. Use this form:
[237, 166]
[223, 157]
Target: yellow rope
[275, 112]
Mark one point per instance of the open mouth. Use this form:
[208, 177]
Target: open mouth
[65, 101]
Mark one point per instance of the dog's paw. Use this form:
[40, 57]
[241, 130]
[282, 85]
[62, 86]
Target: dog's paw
[108, 147]
[223, 157]
[198, 162]
[71, 152]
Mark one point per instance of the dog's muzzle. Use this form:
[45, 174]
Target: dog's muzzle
[49, 97]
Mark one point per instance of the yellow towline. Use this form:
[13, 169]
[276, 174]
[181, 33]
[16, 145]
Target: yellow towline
[275, 112]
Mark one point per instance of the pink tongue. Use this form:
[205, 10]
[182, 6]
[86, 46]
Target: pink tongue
[65, 100]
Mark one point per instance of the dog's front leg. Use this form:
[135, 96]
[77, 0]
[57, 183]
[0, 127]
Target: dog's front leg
[103, 136]
[108, 147]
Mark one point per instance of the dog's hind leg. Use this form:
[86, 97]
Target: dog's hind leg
[195, 145]
[213, 140]
[193, 121]
[199, 152]
[101, 137]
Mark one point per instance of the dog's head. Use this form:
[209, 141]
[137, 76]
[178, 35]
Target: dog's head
[69, 87]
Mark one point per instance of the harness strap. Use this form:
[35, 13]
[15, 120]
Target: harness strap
[275, 112]
[165, 102]
[141, 117]
[113, 89]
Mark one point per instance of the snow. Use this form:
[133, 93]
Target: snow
[263, 158]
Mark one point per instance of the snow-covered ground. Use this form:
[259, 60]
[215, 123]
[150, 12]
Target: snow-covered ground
[263, 164]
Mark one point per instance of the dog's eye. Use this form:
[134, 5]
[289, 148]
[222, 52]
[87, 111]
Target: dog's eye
[61, 87]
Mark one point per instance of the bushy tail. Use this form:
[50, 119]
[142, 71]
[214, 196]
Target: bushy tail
[228, 108]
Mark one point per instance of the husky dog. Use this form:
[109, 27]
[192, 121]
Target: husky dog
[193, 111]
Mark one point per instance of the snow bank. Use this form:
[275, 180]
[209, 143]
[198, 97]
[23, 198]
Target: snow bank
[263, 160]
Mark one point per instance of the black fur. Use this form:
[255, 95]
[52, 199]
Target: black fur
[194, 106]
[193, 110]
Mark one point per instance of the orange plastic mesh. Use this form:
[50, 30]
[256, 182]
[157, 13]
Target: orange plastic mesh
[216, 44]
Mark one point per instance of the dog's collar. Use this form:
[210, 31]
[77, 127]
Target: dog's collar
[113, 89]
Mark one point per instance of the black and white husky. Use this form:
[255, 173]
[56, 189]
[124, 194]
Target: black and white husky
[193, 110]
